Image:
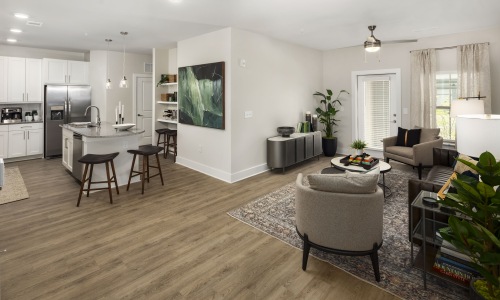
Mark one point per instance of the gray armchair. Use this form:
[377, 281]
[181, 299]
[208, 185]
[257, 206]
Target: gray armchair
[339, 222]
[420, 155]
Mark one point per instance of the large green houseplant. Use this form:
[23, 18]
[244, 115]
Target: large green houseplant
[326, 112]
[476, 232]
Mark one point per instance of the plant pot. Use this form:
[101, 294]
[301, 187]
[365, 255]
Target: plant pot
[329, 146]
[359, 151]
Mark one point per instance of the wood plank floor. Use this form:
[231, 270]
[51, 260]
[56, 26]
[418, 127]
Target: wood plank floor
[174, 242]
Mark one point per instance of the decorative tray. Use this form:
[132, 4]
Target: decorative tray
[364, 165]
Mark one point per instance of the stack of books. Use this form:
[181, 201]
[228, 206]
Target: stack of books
[454, 264]
[361, 160]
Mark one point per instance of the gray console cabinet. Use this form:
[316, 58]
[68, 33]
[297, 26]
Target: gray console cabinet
[283, 152]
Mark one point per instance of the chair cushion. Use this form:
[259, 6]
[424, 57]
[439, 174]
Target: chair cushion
[461, 167]
[400, 151]
[347, 183]
[408, 137]
[428, 134]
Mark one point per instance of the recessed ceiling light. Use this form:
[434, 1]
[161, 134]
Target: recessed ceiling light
[12, 40]
[21, 16]
[15, 30]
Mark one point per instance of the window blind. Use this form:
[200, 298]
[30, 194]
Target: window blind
[377, 112]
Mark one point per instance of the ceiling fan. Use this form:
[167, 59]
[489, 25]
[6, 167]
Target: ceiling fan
[372, 44]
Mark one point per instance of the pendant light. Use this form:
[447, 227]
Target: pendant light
[108, 81]
[372, 44]
[123, 82]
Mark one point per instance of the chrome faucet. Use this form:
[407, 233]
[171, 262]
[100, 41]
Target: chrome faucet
[98, 114]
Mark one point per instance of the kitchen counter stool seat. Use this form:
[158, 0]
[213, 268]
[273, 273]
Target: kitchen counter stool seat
[145, 151]
[169, 142]
[95, 159]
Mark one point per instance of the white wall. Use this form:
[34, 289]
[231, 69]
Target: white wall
[276, 85]
[205, 149]
[7, 50]
[338, 65]
[107, 100]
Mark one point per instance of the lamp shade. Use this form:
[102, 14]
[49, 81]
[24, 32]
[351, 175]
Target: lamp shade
[466, 107]
[477, 134]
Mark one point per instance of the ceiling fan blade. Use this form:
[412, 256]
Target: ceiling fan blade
[399, 41]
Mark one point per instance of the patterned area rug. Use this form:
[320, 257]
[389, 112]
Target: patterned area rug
[274, 214]
[14, 188]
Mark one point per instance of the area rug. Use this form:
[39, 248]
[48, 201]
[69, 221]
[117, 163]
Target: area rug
[14, 188]
[274, 214]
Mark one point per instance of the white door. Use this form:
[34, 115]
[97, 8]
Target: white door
[378, 102]
[17, 143]
[34, 141]
[3, 78]
[33, 80]
[55, 70]
[144, 107]
[78, 72]
[16, 79]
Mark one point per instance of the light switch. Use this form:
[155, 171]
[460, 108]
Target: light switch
[243, 63]
[248, 114]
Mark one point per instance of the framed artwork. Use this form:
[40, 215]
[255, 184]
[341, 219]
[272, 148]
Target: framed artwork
[201, 95]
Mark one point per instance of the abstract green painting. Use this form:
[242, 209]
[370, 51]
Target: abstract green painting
[201, 95]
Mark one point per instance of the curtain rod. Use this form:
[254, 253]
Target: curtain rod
[450, 47]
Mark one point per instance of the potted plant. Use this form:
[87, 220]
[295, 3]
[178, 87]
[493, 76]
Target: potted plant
[359, 146]
[326, 113]
[477, 231]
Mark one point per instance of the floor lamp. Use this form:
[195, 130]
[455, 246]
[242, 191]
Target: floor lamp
[477, 134]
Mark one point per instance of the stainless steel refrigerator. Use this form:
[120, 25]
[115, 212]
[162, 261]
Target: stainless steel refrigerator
[63, 104]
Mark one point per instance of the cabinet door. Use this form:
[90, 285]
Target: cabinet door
[309, 146]
[16, 79]
[17, 143]
[4, 144]
[78, 72]
[70, 154]
[3, 78]
[33, 80]
[34, 141]
[55, 70]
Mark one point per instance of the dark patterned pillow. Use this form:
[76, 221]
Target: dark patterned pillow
[408, 138]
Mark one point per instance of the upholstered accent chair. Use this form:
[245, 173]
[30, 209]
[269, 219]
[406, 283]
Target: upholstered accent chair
[340, 214]
[419, 155]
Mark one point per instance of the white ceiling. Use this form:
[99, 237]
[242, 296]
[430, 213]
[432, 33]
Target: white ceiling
[80, 26]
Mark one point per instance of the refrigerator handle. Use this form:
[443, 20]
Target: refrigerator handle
[65, 116]
[69, 109]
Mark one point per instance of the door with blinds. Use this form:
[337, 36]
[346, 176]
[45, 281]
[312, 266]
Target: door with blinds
[378, 107]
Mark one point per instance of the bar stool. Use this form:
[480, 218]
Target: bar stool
[145, 151]
[169, 141]
[94, 159]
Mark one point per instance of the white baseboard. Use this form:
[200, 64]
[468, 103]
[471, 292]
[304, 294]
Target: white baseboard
[219, 174]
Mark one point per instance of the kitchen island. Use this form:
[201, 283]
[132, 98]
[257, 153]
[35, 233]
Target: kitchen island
[78, 141]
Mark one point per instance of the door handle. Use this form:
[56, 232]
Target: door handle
[139, 115]
[24, 135]
[394, 121]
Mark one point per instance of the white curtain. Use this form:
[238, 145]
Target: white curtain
[423, 88]
[474, 72]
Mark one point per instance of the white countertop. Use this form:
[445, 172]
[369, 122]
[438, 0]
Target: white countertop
[105, 131]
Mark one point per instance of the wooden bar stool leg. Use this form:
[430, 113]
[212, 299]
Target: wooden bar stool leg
[165, 147]
[158, 142]
[83, 184]
[90, 178]
[175, 147]
[109, 183]
[114, 176]
[143, 174]
[159, 168]
[131, 171]
[147, 167]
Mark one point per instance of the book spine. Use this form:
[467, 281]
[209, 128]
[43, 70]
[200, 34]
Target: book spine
[454, 253]
[456, 264]
[452, 271]
[459, 260]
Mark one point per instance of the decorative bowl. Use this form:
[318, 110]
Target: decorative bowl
[285, 131]
[123, 126]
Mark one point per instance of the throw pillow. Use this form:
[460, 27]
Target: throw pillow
[461, 167]
[347, 183]
[428, 134]
[408, 137]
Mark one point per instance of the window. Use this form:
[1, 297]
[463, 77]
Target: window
[377, 111]
[446, 90]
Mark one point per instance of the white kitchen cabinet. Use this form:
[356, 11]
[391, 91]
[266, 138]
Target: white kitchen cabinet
[24, 77]
[67, 146]
[3, 78]
[25, 139]
[65, 71]
[4, 141]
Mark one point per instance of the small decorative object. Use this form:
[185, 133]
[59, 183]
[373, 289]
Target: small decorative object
[164, 97]
[285, 131]
[120, 113]
[28, 117]
[364, 160]
[122, 127]
[476, 232]
[327, 117]
[359, 146]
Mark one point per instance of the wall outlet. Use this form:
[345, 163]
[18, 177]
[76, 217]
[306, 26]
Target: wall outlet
[243, 63]
[248, 114]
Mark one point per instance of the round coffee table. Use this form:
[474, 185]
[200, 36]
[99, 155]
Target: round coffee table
[384, 168]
